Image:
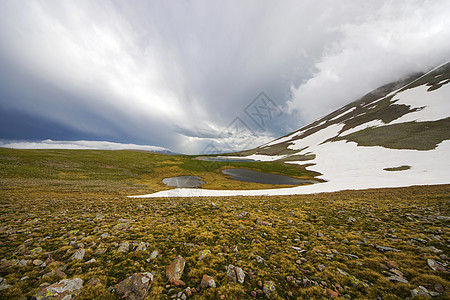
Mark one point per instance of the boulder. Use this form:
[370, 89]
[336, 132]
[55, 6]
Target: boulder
[135, 287]
[78, 255]
[175, 269]
[64, 289]
[207, 281]
[236, 273]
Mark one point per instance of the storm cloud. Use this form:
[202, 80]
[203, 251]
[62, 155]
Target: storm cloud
[179, 74]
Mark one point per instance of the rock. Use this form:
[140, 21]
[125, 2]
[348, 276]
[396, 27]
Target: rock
[177, 282]
[268, 288]
[135, 287]
[176, 268]
[93, 281]
[207, 281]
[298, 249]
[78, 255]
[350, 220]
[105, 235]
[321, 267]
[397, 278]
[153, 255]
[3, 284]
[320, 234]
[435, 265]
[392, 264]
[420, 292]
[259, 259]
[236, 273]
[332, 294]
[342, 272]
[241, 215]
[203, 253]
[24, 262]
[37, 262]
[64, 289]
[384, 248]
[93, 260]
[124, 247]
[142, 246]
[438, 288]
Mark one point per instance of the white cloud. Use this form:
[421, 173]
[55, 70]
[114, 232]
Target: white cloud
[396, 40]
[149, 71]
[98, 145]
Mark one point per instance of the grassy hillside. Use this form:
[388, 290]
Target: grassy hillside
[120, 172]
[350, 244]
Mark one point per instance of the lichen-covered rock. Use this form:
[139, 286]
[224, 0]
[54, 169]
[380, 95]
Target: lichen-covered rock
[268, 288]
[207, 281]
[142, 246]
[3, 284]
[65, 289]
[436, 266]
[124, 247]
[175, 269]
[135, 287]
[78, 255]
[236, 273]
[203, 253]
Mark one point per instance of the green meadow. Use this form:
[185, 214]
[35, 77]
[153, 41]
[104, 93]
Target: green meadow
[370, 244]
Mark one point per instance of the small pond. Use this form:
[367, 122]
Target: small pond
[247, 175]
[184, 181]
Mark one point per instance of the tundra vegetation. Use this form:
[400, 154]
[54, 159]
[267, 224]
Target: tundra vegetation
[65, 215]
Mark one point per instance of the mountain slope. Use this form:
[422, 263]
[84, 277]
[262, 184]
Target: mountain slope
[397, 135]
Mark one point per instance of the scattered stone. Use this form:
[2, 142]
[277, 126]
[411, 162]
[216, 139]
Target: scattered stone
[153, 255]
[241, 215]
[392, 264]
[342, 272]
[62, 290]
[438, 288]
[350, 220]
[259, 259]
[93, 281]
[124, 247]
[23, 262]
[298, 249]
[135, 287]
[397, 278]
[207, 281]
[203, 253]
[268, 288]
[142, 246]
[420, 292]
[436, 266]
[105, 235]
[177, 282]
[384, 248]
[37, 262]
[236, 273]
[321, 267]
[332, 294]
[3, 284]
[176, 268]
[78, 255]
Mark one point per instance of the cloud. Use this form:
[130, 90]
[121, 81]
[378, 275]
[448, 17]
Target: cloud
[175, 74]
[396, 40]
[96, 145]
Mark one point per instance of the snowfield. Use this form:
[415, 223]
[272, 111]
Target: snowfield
[345, 165]
[348, 166]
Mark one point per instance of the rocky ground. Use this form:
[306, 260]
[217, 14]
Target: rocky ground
[385, 244]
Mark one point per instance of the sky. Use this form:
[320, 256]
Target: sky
[200, 76]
